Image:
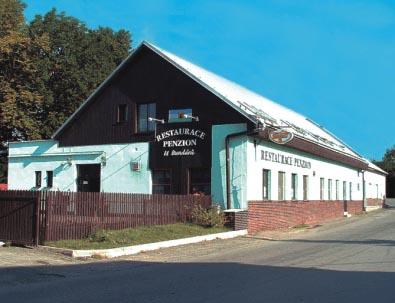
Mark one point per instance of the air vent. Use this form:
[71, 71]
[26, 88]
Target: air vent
[135, 166]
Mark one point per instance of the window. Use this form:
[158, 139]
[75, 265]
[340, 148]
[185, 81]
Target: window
[350, 184]
[337, 189]
[305, 187]
[49, 178]
[38, 179]
[266, 184]
[329, 189]
[161, 182]
[144, 112]
[322, 184]
[377, 191]
[294, 186]
[344, 190]
[281, 185]
[122, 113]
[199, 181]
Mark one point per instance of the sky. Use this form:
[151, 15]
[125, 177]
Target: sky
[332, 61]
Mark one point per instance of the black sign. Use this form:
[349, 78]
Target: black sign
[187, 144]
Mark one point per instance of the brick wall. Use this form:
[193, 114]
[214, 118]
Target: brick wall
[236, 220]
[271, 215]
[374, 202]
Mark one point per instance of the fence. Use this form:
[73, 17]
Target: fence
[72, 215]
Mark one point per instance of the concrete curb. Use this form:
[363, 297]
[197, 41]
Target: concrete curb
[135, 249]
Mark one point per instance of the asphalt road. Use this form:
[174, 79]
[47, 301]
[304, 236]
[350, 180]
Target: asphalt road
[353, 262]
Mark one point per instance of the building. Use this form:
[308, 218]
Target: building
[160, 124]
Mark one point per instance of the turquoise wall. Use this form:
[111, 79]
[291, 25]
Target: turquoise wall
[116, 175]
[238, 168]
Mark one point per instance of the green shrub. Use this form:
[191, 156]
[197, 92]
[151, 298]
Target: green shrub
[211, 217]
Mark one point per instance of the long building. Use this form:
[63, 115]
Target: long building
[160, 124]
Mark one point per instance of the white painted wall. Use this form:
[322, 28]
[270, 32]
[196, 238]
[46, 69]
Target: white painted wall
[116, 176]
[320, 168]
[375, 185]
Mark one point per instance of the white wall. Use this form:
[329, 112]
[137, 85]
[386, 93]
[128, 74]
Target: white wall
[116, 176]
[320, 168]
[375, 185]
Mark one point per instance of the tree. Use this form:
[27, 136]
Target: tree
[11, 16]
[78, 61]
[47, 69]
[20, 84]
[388, 161]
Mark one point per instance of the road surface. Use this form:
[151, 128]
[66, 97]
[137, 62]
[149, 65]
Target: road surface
[350, 261]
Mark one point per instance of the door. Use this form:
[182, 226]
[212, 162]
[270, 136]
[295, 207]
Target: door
[88, 177]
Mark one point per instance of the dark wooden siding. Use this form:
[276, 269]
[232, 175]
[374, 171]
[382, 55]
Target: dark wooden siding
[147, 78]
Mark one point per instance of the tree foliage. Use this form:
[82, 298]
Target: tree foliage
[48, 67]
[78, 61]
[388, 161]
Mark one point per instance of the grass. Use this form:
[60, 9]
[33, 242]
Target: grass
[132, 236]
[301, 226]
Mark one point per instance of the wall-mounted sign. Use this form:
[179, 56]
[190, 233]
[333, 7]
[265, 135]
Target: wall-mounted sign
[181, 142]
[283, 159]
[280, 136]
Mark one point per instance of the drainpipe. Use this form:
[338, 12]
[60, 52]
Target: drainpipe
[227, 173]
[364, 191]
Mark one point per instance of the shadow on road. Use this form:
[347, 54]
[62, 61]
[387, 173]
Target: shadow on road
[191, 282]
[359, 242]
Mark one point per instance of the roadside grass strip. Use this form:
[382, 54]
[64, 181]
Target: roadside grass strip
[111, 244]
[104, 239]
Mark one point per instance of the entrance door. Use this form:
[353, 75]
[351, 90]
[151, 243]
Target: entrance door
[88, 177]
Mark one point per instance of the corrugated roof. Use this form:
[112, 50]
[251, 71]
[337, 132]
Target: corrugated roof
[257, 107]
[252, 105]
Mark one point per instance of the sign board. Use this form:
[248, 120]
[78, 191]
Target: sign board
[280, 136]
[185, 144]
[284, 159]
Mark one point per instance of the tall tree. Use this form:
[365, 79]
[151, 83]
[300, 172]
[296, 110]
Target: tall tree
[78, 61]
[20, 84]
[388, 161]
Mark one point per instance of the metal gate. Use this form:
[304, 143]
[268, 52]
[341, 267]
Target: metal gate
[19, 217]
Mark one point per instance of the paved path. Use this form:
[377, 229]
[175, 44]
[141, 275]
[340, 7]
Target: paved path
[352, 262]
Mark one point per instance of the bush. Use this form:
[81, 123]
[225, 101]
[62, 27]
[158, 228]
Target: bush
[211, 217]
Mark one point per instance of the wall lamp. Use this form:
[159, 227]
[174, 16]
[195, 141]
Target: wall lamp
[68, 162]
[191, 117]
[162, 121]
[103, 159]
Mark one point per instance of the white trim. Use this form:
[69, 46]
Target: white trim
[136, 249]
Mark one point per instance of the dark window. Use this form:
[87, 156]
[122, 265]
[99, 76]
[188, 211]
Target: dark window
[122, 113]
[199, 181]
[161, 181]
[344, 190]
[305, 187]
[281, 185]
[144, 112]
[294, 186]
[322, 184]
[350, 184]
[329, 189]
[266, 184]
[38, 179]
[49, 178]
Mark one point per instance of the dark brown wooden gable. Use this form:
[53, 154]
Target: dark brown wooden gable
[147, 78]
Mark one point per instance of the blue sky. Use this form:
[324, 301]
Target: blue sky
[332, 61]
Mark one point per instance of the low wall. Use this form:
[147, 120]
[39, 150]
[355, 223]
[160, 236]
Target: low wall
[237, 220]
[272, 215]
[374, 202]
